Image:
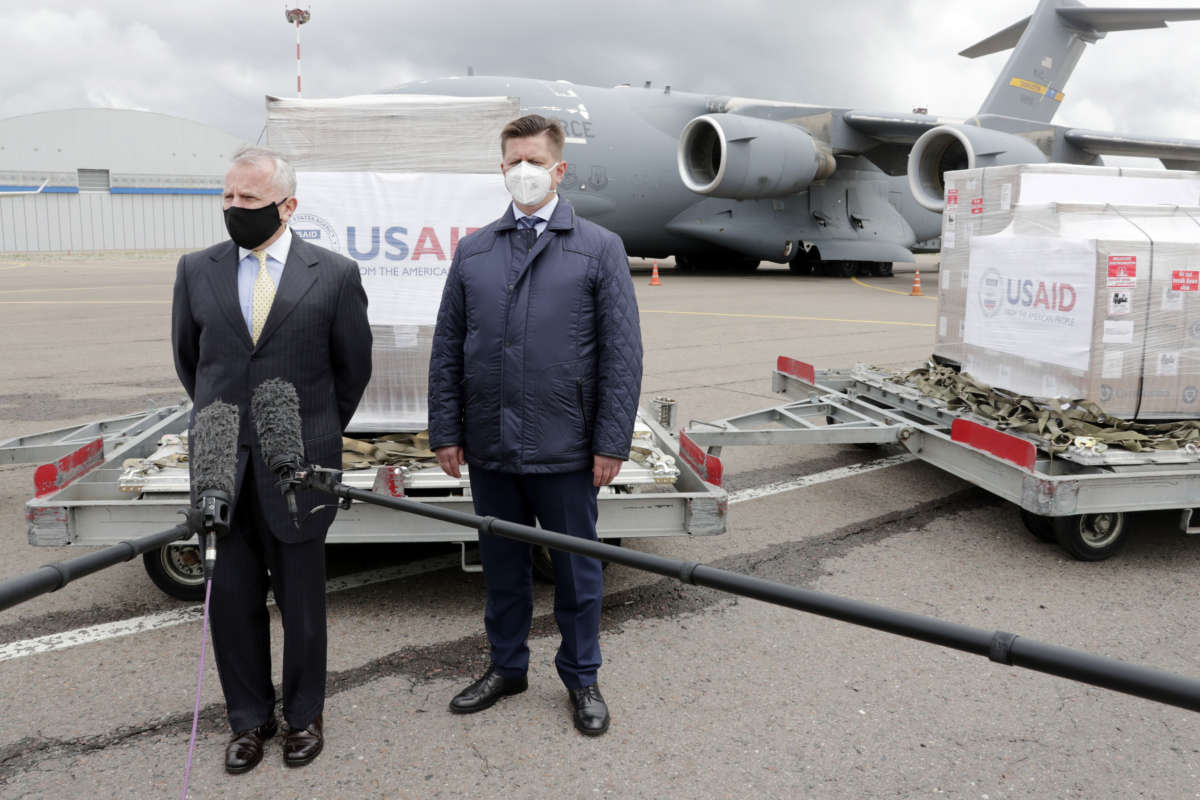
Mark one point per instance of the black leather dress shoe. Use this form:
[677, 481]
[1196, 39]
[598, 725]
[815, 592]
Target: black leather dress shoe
[245, 748]
[591, 712]
[484, 692]
[302, 745]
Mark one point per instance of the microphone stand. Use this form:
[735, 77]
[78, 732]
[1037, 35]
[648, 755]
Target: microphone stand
[998, 646]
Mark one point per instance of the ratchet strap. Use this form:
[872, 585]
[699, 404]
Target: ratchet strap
[1059, 425]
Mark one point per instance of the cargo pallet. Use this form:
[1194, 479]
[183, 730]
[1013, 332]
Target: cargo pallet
[84, 496]
[1082, 498]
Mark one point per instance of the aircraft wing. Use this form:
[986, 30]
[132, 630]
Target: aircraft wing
[1174, 153]
[893, 128]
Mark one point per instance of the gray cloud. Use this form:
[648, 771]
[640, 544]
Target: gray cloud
[215, 62]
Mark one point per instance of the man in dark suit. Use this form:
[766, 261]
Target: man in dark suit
[267, 304]
[534, 382]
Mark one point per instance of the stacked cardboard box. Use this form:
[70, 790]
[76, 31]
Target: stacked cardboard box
[1079, 301]
[981, 202]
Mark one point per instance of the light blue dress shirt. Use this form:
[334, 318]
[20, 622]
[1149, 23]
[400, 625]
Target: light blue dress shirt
[543, 214]
[277, 255]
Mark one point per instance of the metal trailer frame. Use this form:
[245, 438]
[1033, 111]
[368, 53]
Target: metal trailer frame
[80, 502]
[1079, 498]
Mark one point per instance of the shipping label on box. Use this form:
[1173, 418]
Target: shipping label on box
[1122, 272]
[1185, 280]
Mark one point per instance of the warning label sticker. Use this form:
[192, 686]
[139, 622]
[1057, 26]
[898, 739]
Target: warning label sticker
[1122, 272]
[1185, 280]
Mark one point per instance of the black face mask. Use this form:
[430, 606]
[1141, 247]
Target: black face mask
[250, 227]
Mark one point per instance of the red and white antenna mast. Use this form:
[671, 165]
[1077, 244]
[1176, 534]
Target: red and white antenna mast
[297, 17]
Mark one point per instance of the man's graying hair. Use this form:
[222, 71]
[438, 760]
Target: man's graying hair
[284, 174]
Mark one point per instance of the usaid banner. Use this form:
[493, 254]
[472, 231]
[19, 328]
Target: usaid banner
[401, 228]
[1032, 297]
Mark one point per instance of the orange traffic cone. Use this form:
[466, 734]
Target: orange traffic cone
[654, 281]
[916, 290]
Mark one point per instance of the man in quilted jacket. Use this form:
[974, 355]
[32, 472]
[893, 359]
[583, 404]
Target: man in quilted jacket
[534, 383]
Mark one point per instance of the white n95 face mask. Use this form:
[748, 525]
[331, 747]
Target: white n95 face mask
[528, 183]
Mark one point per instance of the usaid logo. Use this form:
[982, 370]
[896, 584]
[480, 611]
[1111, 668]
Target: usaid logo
[1106, 393]
[991, 293]
[997, 291]
[1190, 394]
[1194, 330]
[317, 230]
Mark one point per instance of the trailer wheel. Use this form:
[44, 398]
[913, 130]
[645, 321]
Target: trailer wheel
[543, 566]
[1041, 527]
[177, 569]
[1091, 537]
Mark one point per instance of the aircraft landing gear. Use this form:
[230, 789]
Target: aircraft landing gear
[839, 269]
[719, 262]
[804, 262]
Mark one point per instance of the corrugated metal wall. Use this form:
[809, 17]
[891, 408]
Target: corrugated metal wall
[110, 220]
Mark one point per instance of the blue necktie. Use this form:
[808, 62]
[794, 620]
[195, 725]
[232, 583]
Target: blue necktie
[524, 239]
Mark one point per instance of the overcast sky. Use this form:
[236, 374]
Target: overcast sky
[214, 61]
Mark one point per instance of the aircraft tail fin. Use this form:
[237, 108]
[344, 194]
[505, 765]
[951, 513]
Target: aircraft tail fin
[1046, 47]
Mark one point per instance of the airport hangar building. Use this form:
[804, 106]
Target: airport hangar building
[114, 179]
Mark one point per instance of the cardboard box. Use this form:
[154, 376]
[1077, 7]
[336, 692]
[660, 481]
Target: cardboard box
[1092, 302]
[983, 201]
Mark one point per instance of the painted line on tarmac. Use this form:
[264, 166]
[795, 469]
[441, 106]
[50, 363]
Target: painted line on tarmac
[179, 616]
[782, 316]
[757, 492]
[892, 291]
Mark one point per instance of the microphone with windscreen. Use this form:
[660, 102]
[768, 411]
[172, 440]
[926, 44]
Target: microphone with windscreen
[275, 407]
[214, 442]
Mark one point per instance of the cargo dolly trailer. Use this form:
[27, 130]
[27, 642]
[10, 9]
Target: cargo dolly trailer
[1082, 498]
[113, 480]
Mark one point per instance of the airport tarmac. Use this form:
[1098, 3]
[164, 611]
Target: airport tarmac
[711, 696]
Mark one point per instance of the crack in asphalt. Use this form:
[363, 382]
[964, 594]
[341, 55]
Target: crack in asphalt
[796, 563]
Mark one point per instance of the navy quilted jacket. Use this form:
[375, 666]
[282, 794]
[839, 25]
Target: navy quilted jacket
[538, 366]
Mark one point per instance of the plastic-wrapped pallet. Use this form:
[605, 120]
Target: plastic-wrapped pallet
[392, 134]
[1089, 301]
[982, 202]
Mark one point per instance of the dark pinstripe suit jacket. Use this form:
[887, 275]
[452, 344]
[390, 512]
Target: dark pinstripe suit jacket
[316, 337]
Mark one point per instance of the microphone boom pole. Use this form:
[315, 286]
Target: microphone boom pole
[52, 577]
[998, 646]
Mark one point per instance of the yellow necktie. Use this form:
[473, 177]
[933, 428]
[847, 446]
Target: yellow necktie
[262, 296]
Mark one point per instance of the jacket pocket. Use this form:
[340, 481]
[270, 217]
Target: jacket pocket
[579, 397]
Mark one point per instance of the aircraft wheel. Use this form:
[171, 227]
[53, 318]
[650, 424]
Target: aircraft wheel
[684, 264]
[1041, 527]
[1091, 537]
[744, 265]
[805, 262]
[543, 565]
[878, 269]
[840, 269]
[177, 569]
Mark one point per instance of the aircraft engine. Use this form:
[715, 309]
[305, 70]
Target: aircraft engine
[951, 147]
[728, 155]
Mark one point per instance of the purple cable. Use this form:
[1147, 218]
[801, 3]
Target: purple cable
[187, 775]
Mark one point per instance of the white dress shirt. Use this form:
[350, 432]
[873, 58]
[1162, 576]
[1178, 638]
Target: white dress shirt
[543, 214]
[277, 255]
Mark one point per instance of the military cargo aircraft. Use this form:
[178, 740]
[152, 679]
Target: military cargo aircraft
[726, 182]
